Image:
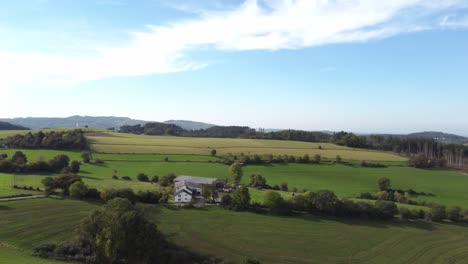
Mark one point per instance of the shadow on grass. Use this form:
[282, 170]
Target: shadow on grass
[5, 208]
[92, 178]
[375, 223]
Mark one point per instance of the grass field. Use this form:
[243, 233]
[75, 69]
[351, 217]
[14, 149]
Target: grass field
[347, 181]
[128, 143]
[25, 224]
[233, 235]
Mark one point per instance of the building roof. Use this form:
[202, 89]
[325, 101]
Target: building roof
[184, 190]
[194, 179]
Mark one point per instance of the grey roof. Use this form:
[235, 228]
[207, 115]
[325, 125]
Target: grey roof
[183, 190]
[195, 179]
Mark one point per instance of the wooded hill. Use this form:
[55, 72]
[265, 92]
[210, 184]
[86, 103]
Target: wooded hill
[8, 126]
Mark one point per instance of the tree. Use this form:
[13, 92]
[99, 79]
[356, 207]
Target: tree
[317, 158]
[325, 201]
[257, 180]
[86, 156]
[454, 214]
[384, 183]
[19, 158]
[155, 178]
[142, 177]
[236, 172]
[438, 213]
[338, 159]
[59, 162]
[209, 192]
[274, 201]
[75, 166]
[284, 186]
[49, 185]
[241, 198]
[78, 190]
[386, 209]
[213, 152]
[118, 232]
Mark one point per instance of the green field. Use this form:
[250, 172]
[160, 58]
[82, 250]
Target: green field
[28, 223]
[128, 143]
[233, 235]
[347, 181]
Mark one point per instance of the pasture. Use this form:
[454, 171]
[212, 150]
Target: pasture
[233, 235]
[129, 143]
[28, 223]
[347, 181]
[308, 239]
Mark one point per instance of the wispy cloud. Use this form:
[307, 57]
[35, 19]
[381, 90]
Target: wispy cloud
[453, 21]
[253, 25]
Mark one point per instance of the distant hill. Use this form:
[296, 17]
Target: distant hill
[73, 121]
[189, 125]
[441, 137]
[9, 126]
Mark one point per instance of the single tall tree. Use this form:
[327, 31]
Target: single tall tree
[236, 172]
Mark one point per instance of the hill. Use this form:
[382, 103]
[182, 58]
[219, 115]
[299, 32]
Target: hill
[189, 125]
[73, 121]
[9, 126]
[440, 137]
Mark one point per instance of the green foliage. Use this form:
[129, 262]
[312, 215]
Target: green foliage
[438, 213]
[454, 214]
[78, 190]
[19, 158]
[386, 209]
[241, 198]
[142, 177]
[167, 180]
[384, 183]
[235, 170]
[75, 166]
[257, 181]
[86, 156]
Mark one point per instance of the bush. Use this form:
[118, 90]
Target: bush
[437, 213]
[155, 178]
[78, 190]
[127, 178]
[75, 167]
[110, 194]
[142, 177]
[115, 177]
[386, 209]
[284, 186]
[167, 180]
[226, 201]
[44, 250]
[454, 214]
[148, 197]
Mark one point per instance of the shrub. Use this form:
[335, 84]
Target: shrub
[142, 177]
[78, 190]
[384, 183]
[226, 201]
[44, 250]
[338, 159]
[437, 213]
[115, 177]
[386, 209]
[284, 186]
[127, 178]
[155, 178]
[148, 197]
[75, 166]
[454, 214]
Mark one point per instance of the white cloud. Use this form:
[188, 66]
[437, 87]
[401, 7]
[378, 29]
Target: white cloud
[453, 21]
[254, 25]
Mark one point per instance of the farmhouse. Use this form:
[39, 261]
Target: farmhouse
[188, 188]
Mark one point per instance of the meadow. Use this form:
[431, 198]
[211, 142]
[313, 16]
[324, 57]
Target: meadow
[129, 143]
[235, 235]
[347, 181]
[28, 223]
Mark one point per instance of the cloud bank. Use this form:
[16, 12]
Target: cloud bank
[253, 25]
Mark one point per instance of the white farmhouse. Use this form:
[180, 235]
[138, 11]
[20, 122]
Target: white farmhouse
[188, 188]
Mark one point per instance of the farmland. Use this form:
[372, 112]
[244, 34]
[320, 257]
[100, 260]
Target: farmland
[128, 143]
[233, 235]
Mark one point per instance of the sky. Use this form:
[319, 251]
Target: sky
[367, 66]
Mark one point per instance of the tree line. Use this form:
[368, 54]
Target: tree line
[18, 163]
[9, 126]
[430, 152]
[60, 140]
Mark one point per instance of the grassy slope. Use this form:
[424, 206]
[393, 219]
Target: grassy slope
[314, 240]
[25, 224]
[128, 143]
[232, 235]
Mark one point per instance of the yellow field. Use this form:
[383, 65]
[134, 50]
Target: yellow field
[128, 143]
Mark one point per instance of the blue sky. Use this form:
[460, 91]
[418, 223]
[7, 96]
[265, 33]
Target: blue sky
[394, 66]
